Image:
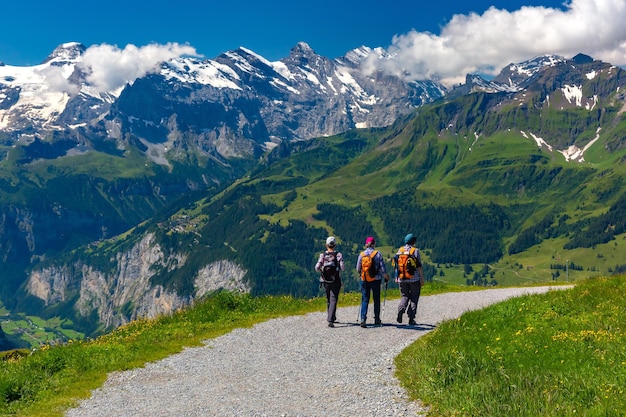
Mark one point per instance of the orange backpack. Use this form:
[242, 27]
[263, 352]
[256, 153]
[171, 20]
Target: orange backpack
[406, 263]
[369, 269]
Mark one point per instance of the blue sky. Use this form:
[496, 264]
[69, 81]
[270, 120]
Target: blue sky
[30, 30]
[442, 39]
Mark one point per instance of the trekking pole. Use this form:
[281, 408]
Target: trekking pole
[358, 317]
[382, 313]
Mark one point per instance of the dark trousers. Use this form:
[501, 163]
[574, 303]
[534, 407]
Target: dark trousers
[367, 288]
[332, 297]
[410, 296]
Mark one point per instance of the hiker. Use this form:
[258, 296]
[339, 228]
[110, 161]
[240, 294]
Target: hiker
[329, 265]
[410, 278]
[370, 266]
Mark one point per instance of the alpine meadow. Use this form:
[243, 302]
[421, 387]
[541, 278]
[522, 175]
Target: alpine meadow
[501, 183]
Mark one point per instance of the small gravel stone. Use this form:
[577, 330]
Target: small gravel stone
[293, 366]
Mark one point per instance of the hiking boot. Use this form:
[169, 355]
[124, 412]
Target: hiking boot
[412, 322]
[330, 324]
[399, 319]
[363, 325]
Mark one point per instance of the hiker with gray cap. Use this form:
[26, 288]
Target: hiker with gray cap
[410, 278]
[329, 265]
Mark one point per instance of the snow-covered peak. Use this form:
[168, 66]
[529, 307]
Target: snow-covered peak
[67, 52]
[255, 56]
[532, 66]
[190, 70]
[64, 90]
[479, 83]
[516, 74]
[37, 96]
[302, 48]
[355, 57]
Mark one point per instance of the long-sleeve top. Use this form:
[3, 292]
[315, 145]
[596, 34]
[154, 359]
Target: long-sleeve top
[378, 258]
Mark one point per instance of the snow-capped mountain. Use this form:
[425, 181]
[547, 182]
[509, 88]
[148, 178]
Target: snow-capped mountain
[513, 78]
[236, 105]
[48, 97]
[516, 75]
[240, 104]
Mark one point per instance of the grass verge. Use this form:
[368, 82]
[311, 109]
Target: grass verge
[556, 354]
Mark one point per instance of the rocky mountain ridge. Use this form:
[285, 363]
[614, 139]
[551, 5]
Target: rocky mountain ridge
[236, 105]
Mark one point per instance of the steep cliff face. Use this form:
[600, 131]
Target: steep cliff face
[126, 293]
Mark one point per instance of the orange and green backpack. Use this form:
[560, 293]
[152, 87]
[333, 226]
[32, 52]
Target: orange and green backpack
[406, 263]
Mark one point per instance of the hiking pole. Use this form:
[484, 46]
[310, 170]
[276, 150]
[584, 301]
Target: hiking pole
[382, 313]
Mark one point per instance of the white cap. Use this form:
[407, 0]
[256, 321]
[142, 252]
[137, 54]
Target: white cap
[330, 241]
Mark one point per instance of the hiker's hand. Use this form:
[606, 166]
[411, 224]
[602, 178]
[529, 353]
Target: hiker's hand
[386, 277]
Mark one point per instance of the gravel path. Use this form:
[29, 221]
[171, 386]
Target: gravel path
[294, 366]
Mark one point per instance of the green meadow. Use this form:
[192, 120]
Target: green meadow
[558, 354]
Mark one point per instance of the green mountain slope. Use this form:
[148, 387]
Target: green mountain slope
[471, 197]
[470, 200]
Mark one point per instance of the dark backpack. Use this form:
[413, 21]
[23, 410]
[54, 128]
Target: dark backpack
[369, 266]
[330, 267]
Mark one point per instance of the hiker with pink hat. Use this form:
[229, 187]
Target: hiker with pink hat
[371, 268]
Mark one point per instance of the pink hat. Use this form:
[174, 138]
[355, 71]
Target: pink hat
[370, 241]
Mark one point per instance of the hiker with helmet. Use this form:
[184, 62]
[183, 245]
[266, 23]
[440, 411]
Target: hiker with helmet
[370, 266]
[329, 265]
[410, 278]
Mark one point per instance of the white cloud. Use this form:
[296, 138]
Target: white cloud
[486, 43]
[110, 67]
[57, 81]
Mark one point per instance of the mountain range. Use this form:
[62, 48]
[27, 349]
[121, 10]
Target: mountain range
[228, 173]
[237, 104]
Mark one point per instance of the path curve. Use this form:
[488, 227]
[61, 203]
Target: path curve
[293, 366]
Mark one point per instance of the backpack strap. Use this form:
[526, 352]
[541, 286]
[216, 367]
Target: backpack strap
[373, 256]
[412, 253]
[362, 273]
